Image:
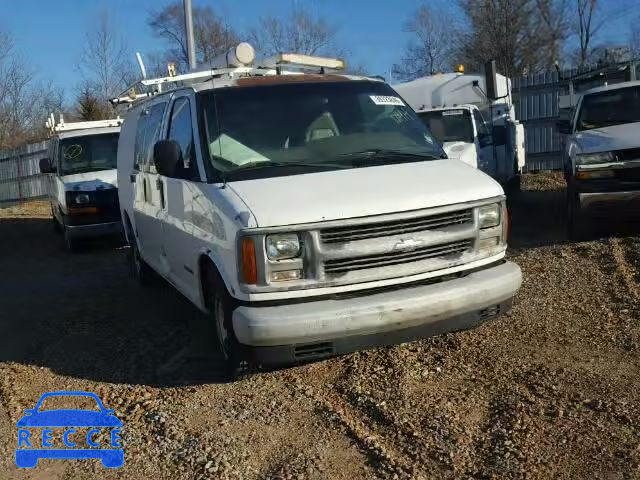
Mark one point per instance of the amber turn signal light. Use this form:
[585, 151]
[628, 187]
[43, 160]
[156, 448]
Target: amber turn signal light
[249, 268]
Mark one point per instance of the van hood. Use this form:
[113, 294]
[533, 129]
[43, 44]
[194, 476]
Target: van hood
[616, 137]
[90, 181]
[360, 192]
[463, 151]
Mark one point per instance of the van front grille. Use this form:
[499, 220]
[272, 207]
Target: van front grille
[445, 250]
[396, 227]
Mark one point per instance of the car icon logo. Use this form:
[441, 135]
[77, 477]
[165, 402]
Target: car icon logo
[32, 447]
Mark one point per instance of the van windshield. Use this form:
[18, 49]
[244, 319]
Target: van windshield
[88, 153]
[449, 125]
[299, 126]
[613, 107]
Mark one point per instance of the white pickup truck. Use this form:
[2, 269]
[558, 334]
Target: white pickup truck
[602, 156]
[308, 214]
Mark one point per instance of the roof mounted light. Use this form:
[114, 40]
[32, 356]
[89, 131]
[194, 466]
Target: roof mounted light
[241, 55]
[299, 60]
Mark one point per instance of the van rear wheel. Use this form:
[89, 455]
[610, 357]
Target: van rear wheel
[140, 270]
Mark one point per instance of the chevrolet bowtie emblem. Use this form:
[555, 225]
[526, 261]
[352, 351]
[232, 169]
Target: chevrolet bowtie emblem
[409, 244]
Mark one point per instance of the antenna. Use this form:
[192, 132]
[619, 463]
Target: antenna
[188, 23]
[141, 65]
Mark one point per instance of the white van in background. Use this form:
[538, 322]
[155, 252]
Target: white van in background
[82, 189]
[308, 214]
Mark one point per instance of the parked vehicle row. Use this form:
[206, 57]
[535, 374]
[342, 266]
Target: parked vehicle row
[306, 212]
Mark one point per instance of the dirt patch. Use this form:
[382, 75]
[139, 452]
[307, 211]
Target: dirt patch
[548, 391]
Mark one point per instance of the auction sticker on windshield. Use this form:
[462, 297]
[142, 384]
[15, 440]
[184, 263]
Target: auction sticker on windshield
[453, 112]
[386, 100]
[69, 433]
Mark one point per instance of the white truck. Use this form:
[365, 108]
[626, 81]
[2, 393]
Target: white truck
[602, 157]
[82, 183]
[306, 212]
[475, 128]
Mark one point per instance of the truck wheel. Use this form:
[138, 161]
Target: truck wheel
[56, 225]
[221, 306]
[578, 224]
[70, 243]
[514, 186]
[140, 270]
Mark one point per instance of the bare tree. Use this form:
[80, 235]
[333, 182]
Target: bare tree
[521, 35]
[587, 27]
[634, 37]
[212, 35]
[105, 60]
[554, 26]
[430, 50]
[299, 32]
[24, 102]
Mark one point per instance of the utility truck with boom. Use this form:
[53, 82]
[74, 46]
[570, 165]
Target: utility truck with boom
[307, 212]
[473, 117]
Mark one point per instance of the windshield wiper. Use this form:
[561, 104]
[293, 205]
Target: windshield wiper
[253, 166]
[392, 155]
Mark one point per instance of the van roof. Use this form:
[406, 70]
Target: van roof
[86, 132]
[615, 86]
[254, 81]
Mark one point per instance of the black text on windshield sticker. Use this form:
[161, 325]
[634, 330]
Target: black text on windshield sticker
[453, 112]
[386, 100]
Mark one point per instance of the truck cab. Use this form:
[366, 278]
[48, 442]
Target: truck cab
[463, 132]
[306, 212]
[473, 116]
[82, 181]
[602, 156]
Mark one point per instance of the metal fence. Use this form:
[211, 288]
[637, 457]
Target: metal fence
[536, 100]
[20, 177]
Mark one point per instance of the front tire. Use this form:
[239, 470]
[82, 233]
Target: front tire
[578, 224]
[70, 243]
[221, 307]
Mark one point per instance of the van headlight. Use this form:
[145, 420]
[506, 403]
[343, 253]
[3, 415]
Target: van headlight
[489, 215]
[282, 246]
[594, 158]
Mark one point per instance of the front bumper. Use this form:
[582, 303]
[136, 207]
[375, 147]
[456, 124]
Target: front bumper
[623, 201]
[95, 230]
[298, 331]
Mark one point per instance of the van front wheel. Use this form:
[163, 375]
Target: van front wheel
[221, 306]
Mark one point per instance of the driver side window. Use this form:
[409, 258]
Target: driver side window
[181, 131]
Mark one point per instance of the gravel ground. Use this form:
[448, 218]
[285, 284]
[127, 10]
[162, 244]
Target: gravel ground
[547, 391]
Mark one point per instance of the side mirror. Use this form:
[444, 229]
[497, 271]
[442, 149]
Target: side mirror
[166, 156]
[45, 166]
[563, 126]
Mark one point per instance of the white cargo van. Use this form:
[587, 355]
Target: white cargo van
[82, 187]
[309, 214]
